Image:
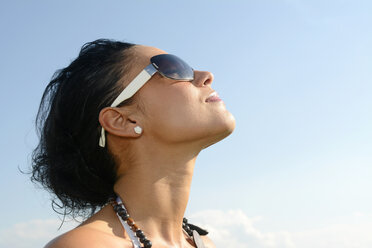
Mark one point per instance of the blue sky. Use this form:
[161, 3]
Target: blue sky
[296, 75]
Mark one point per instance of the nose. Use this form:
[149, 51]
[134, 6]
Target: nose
[202, 78]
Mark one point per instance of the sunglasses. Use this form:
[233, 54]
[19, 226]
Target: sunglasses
[168, 65]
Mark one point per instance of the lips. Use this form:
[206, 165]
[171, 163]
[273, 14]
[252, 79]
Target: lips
[213, 97]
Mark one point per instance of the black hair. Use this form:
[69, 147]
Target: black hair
[68, 161]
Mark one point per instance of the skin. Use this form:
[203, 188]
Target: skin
[155, 167]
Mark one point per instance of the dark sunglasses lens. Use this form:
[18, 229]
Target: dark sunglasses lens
[173, 67]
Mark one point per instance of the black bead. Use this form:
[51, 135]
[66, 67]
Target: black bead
[125, 217]
[123, 214]
[198, 229]
[140, 234]
[143, 239]
[121, 211]
[188, 230]
[117, 208]
[147, 244]
[184, 220]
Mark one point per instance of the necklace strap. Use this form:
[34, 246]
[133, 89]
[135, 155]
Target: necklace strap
[136, 234]
[128, 230]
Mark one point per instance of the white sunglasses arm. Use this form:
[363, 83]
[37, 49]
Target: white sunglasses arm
[129, 91]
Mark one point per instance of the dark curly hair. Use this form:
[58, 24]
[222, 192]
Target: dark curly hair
[68, 161]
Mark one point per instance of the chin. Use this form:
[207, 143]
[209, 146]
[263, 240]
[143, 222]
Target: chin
[224, 130]
[227, 124]
[230, 123]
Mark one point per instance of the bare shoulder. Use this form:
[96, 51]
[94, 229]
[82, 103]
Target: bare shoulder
[85, 237]
[70, 239]
[207, 242]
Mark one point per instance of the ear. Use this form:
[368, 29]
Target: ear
[116, 122]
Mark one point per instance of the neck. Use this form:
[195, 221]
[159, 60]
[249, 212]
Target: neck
[155, 190]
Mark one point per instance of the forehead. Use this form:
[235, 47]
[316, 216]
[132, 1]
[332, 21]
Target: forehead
[140, 58]
[143, 54]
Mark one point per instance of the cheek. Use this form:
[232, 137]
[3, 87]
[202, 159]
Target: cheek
[173, 114]
[179, 114]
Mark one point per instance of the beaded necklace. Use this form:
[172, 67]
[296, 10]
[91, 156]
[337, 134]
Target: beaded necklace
[122, 212]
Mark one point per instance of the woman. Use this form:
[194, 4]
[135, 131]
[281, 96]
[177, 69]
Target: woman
[120, 130]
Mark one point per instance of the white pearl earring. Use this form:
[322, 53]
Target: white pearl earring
[138, 130]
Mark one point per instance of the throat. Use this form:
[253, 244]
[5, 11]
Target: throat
[156, 199]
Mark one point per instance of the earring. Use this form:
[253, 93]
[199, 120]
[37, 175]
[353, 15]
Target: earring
[138, 130]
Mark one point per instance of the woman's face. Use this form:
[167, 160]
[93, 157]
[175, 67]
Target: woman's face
[177, 111]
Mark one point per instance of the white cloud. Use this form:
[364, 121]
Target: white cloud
[361, 214]
[228, 229]
[358, 235]
[234, 228]
[32, 233]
